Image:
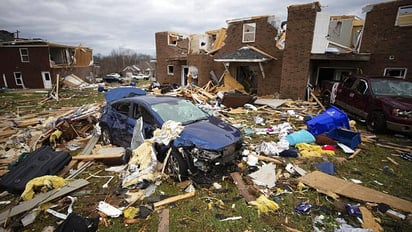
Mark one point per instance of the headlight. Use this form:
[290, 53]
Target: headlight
[205, 154]
[402, 113]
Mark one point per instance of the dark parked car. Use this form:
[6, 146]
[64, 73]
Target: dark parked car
[205, 142]
[384, 102]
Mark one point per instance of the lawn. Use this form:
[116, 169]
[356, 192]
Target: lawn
[209, 207]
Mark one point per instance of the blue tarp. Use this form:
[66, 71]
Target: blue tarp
[122, 92]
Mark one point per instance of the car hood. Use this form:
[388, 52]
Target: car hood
[209, 134]
[122, 92]
[397, 102]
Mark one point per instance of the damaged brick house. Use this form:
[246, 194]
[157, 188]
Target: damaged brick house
[315, 46]
[249, 56]
[36, 63]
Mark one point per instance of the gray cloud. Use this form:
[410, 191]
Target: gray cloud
[104, 25]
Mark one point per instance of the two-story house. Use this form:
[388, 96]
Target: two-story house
[289, 59]
[37, 63]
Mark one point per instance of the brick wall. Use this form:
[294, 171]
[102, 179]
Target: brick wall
[296, 56]
[383, 39]
[265, 41]
[169, 55]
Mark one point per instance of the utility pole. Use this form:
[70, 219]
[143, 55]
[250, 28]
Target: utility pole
[17, 34]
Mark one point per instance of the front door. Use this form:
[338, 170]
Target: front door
[47, 83]
[185, 71]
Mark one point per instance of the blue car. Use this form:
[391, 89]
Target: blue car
[205, 143]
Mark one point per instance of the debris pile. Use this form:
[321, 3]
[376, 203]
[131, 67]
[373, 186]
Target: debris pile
[290, 147]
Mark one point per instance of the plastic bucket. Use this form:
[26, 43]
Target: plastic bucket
[332, 118]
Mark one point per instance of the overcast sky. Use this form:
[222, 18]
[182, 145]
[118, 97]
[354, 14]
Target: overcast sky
[104, 25]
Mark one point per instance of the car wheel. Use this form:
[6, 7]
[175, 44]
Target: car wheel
[376, 122]
[177, 166]
[106, 137]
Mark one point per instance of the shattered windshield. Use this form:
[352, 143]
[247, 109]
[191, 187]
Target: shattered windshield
[181, 111]
[386, 87]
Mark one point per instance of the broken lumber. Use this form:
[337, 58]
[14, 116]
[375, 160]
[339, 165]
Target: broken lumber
[357, 151]
[42, 198]
[325, 182]
[163, 221]
[317, 101]
[100, 156]
[269, 159]
[174, 199]
[243, 189]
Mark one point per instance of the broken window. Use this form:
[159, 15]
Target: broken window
[404, 17]
[24, 55]
[123, 108]
[170, 70]
[18, 78]
[395, 72]
[172, 39]
[249, 31]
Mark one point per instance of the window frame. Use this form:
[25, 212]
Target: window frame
[401, 70]
[407, 15]
[245, 32]
[18, 79]
[24, 57]
[172, 39]
[170, 70]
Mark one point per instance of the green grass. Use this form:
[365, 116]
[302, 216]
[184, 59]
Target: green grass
[198, 214]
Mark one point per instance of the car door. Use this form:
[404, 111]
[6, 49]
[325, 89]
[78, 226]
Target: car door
[358, 97]
[149, 122]
[343, 93]
[121, 123]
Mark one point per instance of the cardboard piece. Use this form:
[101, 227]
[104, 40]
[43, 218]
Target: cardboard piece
[328, 183]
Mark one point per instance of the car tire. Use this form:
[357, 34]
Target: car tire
[177, 167]
[376, 122]
[106, 137]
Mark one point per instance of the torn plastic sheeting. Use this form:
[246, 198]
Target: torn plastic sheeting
[61, 215]
[108, 209]
[318, 223]
[272, 148]
[137, 138]
[121, 92]
[265, 176]
[264, 205]
[43, 182]
[326, 167]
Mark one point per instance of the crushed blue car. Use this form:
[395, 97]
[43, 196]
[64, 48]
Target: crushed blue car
[205, 143]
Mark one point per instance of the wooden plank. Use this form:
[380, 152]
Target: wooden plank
[42, 198]
[269, 159]
[163, 221]
[93, 157]
[325, 182]
[174, 199]
[243, 189]
[7, 133]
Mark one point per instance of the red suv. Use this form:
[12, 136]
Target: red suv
[384, 102]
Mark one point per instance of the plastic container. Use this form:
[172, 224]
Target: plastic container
[332, 118]
[349, 138]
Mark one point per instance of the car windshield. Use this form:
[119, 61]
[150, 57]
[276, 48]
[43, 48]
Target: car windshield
[386, 87]
[181, 111]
